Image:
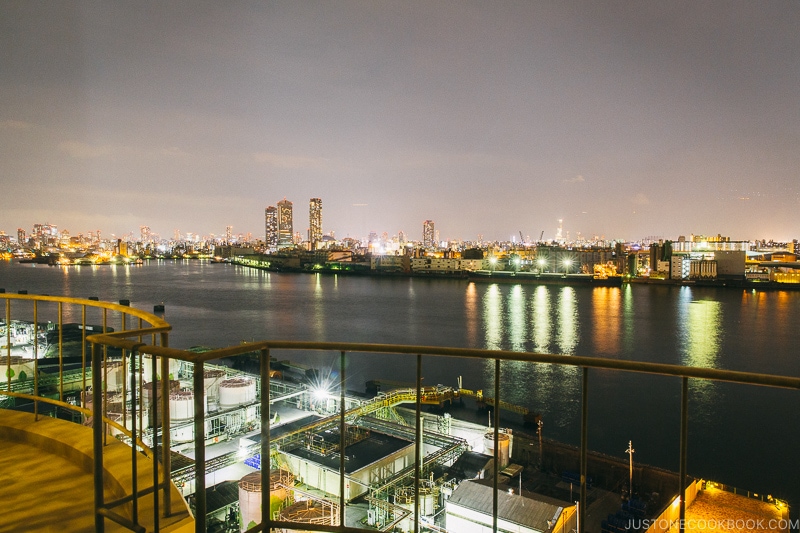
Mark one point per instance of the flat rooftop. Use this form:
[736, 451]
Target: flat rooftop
[713, 510]
[357, 455]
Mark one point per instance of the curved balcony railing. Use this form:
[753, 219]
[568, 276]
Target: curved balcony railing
[139, 341]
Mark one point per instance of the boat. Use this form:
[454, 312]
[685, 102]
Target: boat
[544, 278]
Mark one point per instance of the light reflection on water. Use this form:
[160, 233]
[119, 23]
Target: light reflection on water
[567, 325]
[540, 319]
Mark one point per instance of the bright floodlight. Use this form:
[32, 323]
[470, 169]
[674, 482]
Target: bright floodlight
[493, 260]
[567, 262]
[320, 393]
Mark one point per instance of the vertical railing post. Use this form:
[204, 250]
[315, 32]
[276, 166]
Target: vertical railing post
[105, 372]
[266, 515]
[684, 449]
[60, 349]
[166, 440]
[134, 438]
[200, 450]
[342, 435]
[496, 413]
[584, 446]
[8, 343]
[155, 425]
[35, 359]
[83, 365]
[97, 442]
[418, 443]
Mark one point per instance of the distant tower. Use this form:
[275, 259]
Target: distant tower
[315, 222]
[228, 233]
[144, 233]
[428, 234]
[285, 231]
[271, 223]
[560, 231]
[21, 237]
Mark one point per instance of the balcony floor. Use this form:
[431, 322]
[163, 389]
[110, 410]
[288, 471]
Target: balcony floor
[46, 482]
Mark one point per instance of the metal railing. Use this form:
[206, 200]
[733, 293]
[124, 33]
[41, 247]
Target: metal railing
[150, 338]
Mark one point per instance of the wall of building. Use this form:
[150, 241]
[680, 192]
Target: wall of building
[356, 483]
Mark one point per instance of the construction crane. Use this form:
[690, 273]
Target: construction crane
[521, 238]
[541, 236]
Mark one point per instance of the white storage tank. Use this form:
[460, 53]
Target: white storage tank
[181, 405]
[113, 375]
[234, 392]
[148, 397]
[281, 485]
[503, 441]
[147, 368]
[21, 369]
[211, 380]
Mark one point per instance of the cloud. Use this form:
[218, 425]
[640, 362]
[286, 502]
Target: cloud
[288, 161]
[15, 125]
[576, 179]
[640, 199]
[79, 150]
[173, 151]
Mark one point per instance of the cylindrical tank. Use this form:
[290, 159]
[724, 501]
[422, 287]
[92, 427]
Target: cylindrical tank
[113, 401]
[148, 397]
[21, 368]
[281, 485]
[503, 442]
[181, 405]
[211, 380]
[113, 375]
[312, 512]
[147, 368]
[236, 391]
[249, 500]
[181, 413]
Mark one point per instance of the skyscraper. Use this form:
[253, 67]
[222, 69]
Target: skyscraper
[315, 222]
[271, 227]
[285, 231]
[428, 235]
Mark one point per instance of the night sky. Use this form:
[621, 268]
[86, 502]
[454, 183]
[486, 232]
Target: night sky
[625, 119]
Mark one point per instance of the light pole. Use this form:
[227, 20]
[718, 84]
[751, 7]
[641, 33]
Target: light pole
[630, 452]
[567, 264]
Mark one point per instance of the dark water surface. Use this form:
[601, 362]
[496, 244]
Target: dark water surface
[744, 436]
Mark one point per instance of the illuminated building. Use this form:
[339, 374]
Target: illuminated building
[271, 223]
[21, 236]
[228, 233]
[144, 232]
[428, 234]
[285, 231]
[315, 222]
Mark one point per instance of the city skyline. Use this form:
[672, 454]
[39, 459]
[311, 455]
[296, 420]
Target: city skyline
[624, 120]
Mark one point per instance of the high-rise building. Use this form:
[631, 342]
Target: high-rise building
[271, 221]
[315, 222]
[21, 237]
[228, 233]
[144, 233]
[428, 234]
[285, 231]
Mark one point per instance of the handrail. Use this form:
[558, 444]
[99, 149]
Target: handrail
[155, 320]
[714, 374]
